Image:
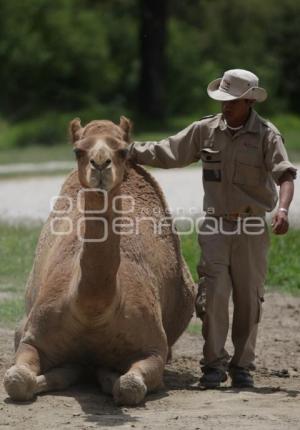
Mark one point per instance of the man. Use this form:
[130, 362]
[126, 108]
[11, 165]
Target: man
[243, 159]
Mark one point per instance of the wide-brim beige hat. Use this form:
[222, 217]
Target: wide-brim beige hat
[237, 84]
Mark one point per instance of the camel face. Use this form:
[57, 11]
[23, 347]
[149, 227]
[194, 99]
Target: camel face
[100, 149]
[100, 165]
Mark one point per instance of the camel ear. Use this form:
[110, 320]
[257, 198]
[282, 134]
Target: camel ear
[75, 130]
[126, 126]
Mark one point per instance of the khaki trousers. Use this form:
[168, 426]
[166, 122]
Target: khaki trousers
[233, 261]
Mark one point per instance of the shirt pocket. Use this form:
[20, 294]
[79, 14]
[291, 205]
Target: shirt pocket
[211, 160]
[249, 153]
[245, 174]
[209, 155]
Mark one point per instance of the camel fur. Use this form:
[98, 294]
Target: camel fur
[115, 305]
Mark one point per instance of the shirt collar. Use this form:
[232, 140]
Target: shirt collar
[251, 126]
[253, 123]
[218, 122]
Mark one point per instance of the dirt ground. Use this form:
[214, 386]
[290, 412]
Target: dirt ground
[274, 403]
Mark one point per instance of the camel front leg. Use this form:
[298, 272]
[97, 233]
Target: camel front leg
[20, 379]
[23, 381]
[58, 378]
[142, 377]
[19, 332]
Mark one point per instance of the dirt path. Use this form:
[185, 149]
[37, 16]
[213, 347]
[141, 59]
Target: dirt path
[272, 404]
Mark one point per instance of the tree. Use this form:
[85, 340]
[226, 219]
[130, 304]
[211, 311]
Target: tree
[153, 34]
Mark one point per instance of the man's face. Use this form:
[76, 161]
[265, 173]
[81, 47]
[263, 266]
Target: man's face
[236, 112]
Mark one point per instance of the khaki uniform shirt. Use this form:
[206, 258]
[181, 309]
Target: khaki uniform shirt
[240, 170]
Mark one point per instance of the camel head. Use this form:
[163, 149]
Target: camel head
[101, 152]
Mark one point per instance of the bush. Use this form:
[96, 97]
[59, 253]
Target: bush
[51, 128]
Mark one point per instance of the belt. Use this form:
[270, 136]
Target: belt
[239, 216]
[235, 216]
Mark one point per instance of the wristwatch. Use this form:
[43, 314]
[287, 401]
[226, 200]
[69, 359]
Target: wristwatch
[283, 210]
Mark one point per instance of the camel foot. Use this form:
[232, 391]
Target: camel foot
[129, 390]
[20, 383]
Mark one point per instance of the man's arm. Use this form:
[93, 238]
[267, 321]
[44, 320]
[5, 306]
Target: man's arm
[175, 151]
[280, 223]
[283, 173]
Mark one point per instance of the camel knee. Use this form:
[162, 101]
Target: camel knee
[20, 383]
[130, 389]
[151, 371]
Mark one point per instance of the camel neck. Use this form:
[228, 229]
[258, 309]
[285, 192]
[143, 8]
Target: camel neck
[100, 252]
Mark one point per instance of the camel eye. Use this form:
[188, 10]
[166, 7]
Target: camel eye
[123, 153]
[79, 153]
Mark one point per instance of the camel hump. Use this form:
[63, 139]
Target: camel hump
[141, 185]
[156, 249]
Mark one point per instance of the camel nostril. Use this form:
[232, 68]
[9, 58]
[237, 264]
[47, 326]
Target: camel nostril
[102, 166]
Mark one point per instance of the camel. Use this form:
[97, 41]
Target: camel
[100, 295]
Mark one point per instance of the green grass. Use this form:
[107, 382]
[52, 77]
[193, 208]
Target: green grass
[289, 126]
[37, 154]
[37, 173]
[11, 311]
[194, 327]
[19, 143]
[17, 246]
[191, 252]
[60, 152]
[283, 266]
[284, 257]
